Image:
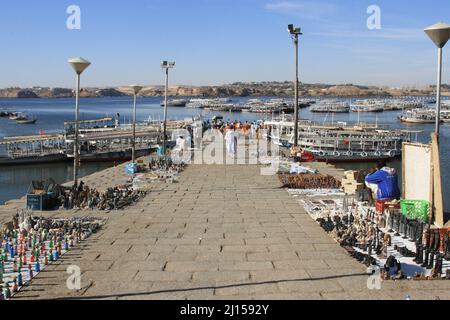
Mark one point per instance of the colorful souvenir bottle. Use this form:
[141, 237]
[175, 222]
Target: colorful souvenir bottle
[37, 267]
[20, 279]
[6, 292]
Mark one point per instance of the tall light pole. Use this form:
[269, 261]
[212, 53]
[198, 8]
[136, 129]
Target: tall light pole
[439, 33]
[295, 32]
[79, 65]
[136, 89]
[166, 65]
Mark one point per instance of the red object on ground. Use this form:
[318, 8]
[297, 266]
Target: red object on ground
[381, 206]
[307, 156]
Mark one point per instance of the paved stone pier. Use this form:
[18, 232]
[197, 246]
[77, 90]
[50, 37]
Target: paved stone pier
[222, 232]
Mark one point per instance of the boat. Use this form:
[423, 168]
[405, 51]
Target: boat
[16, 116]
[206, 103]
[106, 124]
[331, 107]
[342, 142]
[418, 116]
[6, 113]
[367, 106]
[223, 108]
[175, 103]
[271, 106]
[26, 121]
[32, 159]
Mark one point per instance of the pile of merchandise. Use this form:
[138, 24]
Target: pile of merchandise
[388, 240]
[159, 170]
[28, 244]
[83, 197]
[309, 181]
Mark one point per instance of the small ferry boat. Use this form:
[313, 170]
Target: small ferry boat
[175, 103]
[205, 103]
[418, 116]
[6, 113]
[223, 107]
[26, 121]
[331, 107]
[367, 106]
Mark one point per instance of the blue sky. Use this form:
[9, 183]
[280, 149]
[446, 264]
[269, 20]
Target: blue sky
[220, 41]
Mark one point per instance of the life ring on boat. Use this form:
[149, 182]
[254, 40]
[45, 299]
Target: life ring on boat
[364, 154]
[322, 153]
[122, 154]
[349, 153]
[391, 153]
[336, 154]
[378, 153]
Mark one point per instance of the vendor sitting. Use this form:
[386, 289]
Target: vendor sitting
[384, 183]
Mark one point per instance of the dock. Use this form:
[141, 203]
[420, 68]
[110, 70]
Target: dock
[222, 232]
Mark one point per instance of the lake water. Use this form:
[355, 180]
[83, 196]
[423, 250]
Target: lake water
[51, 113]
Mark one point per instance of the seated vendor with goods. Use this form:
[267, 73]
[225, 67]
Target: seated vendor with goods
[384, 183]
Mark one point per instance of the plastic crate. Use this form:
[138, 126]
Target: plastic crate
[131, 168]
[415, 209]
[381, 206]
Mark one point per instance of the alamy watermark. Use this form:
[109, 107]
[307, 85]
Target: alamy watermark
[73, 22]
[240, 147]
[374, 19]
[374, 281]
[74, 280]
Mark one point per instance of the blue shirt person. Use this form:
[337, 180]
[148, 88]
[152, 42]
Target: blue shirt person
[387, 181]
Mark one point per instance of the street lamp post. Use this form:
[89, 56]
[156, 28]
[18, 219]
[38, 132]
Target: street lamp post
[136, 89]
[166, 65]
[295, 32]
[439, 33]
[78, 65]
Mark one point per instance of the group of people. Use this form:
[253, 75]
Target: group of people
[246, 128]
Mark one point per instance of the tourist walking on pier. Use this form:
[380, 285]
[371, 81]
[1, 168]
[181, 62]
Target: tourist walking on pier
[231, 142]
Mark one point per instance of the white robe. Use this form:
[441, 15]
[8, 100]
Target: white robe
[230, 139]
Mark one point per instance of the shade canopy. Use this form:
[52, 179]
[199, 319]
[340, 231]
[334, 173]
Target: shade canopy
[439, 33]
[79, 64]
[136, 88]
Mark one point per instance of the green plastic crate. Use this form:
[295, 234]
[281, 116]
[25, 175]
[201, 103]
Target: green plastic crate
[415, 209]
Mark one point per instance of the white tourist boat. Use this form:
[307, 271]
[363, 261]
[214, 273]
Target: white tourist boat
[419, 116]
[330, 106]
[342, 142]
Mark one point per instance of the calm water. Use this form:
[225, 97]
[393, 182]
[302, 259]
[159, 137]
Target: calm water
[51, 113]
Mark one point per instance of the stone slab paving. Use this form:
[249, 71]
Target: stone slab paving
[222, 232]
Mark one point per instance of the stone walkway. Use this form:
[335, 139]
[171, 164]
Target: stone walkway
[223, 232]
